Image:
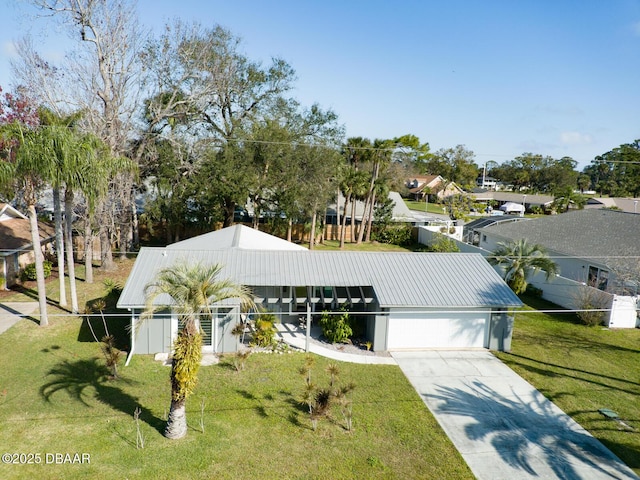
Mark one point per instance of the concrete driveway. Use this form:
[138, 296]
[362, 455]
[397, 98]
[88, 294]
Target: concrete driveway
[503, 427]
[12, 312]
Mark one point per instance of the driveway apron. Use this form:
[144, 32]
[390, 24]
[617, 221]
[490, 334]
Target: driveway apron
[503, 427]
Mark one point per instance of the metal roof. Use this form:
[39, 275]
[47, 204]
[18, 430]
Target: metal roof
[398, 279]
[236, 236]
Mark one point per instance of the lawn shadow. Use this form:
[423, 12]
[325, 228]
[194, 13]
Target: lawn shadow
[87, 378]
[101, 317]
[526, 431]
[575, 373]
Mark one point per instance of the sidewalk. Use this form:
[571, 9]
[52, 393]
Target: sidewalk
[296, 337]
[12, 312]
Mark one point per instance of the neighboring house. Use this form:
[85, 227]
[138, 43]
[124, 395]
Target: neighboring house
[457, 301]
[401, 213]
[630, 205]
[488, 183]
[500, 198]
[16, 247]
[471, 229]
[597, 248]
[432, 185]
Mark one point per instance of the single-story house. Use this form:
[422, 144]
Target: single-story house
[400, 212]
[16, 246]
[404, 300]
[427, 185]
[598, 247]
[500, 198]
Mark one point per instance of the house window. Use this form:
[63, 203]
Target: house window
[598, 278]
[484, 238]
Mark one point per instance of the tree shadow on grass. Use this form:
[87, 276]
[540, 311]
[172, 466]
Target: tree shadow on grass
[524, 432]
[86, 379]
[598, 379]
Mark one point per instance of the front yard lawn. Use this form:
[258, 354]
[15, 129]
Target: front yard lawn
[582, 370]
[55, 398]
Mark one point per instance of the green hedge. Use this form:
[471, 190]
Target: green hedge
[29, 272]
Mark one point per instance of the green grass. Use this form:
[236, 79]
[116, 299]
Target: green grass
[354, 247]
[420, 206]
[582, 369]
[55, 397]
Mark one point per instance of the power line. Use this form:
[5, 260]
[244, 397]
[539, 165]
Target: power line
[512, 310]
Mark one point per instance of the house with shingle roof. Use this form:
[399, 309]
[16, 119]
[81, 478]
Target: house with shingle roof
[459, 302]
[425, 185]
[500, 198]
[598, 255]
[16, 246]
[598, 247]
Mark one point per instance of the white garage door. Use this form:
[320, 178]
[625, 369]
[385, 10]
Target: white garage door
[431, 330]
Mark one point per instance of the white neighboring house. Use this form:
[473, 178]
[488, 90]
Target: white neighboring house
[459, 301]
[594, 248]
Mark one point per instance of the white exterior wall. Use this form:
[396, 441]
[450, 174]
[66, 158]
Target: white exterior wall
[563, 290]
[574, 268]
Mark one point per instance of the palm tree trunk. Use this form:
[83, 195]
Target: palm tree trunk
[343, 229]
[370, 220]
[39, 261]
[57, 216]
[88, 251]
[177, 421]
[363, 221]
[352, 223]
[68, 238]
[338, 219]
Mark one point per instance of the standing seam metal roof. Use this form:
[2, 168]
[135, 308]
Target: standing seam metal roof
[398, 279]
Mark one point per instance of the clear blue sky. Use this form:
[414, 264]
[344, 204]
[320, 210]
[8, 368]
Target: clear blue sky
[502, 77]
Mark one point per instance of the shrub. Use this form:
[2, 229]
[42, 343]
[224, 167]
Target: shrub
[336, 328]
[534, 291]
[29, 272]
[444, 244]
[265, 331]
[591, 306]
[393, 235]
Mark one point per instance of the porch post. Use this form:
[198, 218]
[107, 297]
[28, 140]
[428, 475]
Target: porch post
[132, 336]
[308, 336]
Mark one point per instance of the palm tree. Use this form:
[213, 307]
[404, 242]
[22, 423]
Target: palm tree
[520, 259]
[567, 198]
[194, 289]
[28, 164]
[73, 152]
